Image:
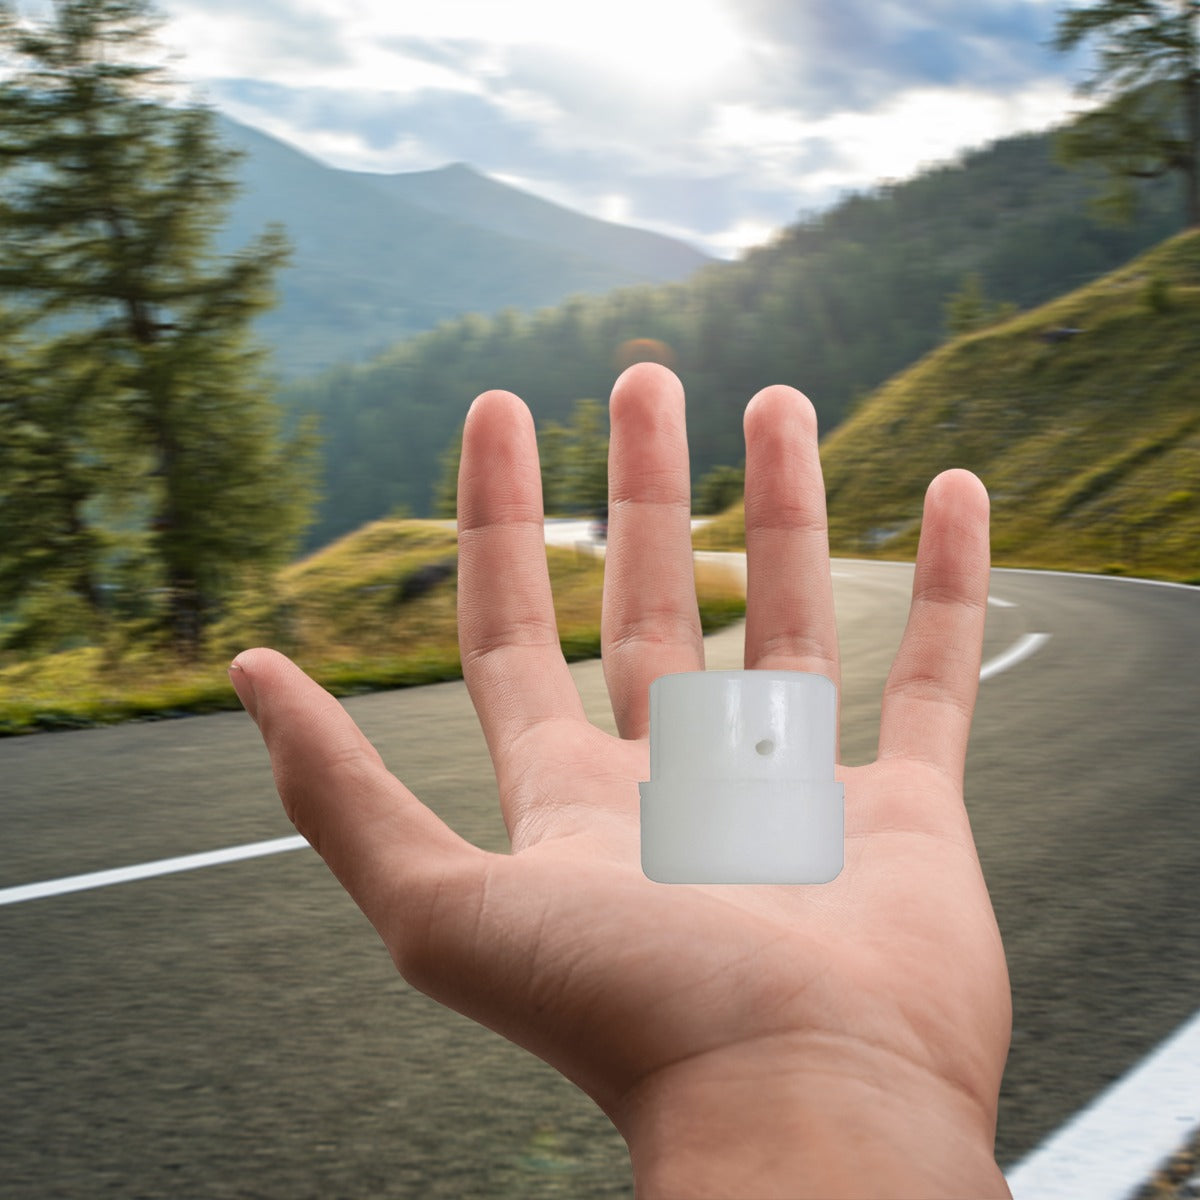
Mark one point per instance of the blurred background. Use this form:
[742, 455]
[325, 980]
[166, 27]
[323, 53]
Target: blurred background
[255, 263]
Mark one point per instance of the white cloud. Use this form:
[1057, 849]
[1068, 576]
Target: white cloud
[739, 237]
[616, 206]
[769, 107]
[326, 43]
[344, 149]
[914, 129]
[528, 106]
[648, 37]
[247, 45]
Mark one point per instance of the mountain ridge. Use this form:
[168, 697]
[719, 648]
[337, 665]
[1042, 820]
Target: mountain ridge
[371, 266]
[464, 192]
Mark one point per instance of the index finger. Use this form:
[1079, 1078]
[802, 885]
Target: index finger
[929, 699]
[508, 635]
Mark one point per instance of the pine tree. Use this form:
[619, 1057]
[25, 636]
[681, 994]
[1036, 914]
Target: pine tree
[1147, 78]
[573, 460]
[50, 477]
[445, 494]
[969, 309]
[149, 411]
[585, 482]
[718, 490]
[554, 440]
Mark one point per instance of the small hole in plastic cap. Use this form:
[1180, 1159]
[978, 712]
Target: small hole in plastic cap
[765, 746]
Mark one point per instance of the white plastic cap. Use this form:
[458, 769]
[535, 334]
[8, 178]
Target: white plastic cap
[741, 786]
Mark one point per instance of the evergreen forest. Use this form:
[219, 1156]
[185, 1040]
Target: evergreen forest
[835, 305]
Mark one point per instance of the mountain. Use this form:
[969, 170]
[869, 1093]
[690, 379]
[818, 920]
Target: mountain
[1081, 417]
[836, 305]
[461, 192]
[379, 258]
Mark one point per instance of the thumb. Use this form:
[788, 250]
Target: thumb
[386, 848]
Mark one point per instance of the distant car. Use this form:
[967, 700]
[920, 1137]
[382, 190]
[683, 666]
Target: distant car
[600, 525]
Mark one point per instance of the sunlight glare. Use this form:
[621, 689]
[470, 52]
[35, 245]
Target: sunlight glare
[665, 45]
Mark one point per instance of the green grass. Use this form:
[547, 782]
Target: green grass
[1089, 447]
[339, 614]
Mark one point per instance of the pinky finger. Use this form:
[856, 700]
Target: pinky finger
[929, 699]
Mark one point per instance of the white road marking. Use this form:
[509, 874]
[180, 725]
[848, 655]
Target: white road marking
[1018, 652]
[1113, 1145]
[1104, 1152]
[164, 866]
[1027, 644]
[1162, 583]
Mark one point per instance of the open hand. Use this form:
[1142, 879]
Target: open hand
[846, 1038]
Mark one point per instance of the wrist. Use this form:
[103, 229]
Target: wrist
[754, 1122]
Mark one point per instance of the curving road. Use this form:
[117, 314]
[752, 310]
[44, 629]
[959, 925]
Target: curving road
[238, 1031]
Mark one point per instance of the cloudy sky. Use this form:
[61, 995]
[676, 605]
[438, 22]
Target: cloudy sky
[714, 120]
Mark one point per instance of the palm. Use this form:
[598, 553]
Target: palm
[564, 945]
[618, 977]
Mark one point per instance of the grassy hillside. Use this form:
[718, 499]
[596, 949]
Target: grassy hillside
[365, 613]
[1089, 445]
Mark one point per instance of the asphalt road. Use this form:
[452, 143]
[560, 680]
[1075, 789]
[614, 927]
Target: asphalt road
[239, 1032]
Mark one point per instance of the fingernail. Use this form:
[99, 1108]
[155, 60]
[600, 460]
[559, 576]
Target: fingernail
[244, 688]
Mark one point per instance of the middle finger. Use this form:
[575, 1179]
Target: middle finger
[790, 623]
[650, 624]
